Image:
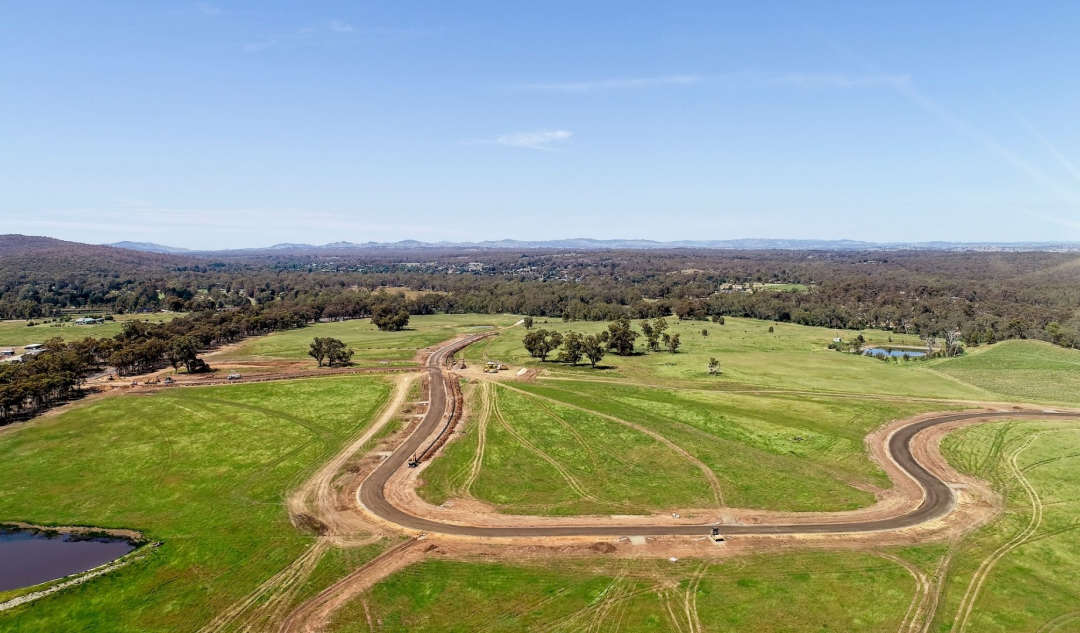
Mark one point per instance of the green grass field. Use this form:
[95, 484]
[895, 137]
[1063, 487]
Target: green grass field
[203, 470]
[1025, 370]
[16, 333]
[859, 592]
[791, 358]
[579, 447]
[1032, 586]
[370, 345]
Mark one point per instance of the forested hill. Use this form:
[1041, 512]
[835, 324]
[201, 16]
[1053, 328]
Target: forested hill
[48, 255]
[40, 275]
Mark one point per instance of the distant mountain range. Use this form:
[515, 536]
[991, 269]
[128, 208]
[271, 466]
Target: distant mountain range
[582, 244]
[148, 247]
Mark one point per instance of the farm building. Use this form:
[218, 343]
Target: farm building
[7, 352]
[88, 321]
[33, 348]
[11, 359]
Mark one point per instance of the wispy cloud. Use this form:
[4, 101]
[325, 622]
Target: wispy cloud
[961, 125]
[909, 90]
[206, 8]
[1047, 145]
[546, 140]
[745, 78]
[339, 26]
[330, 28]
[628, 83]
[818, 81]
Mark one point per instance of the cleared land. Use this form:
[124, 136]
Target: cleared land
[1032, 371]
[371, 346]
[1018, 574]
[860, 592]
[17, 333]
[204, 470]
[575, 447]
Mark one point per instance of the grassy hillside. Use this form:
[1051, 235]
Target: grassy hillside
[1027, 559]
[203, 470]
[1027, 370]
[791, 357]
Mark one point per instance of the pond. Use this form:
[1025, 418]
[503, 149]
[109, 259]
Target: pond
[890, 351]
[29, 557]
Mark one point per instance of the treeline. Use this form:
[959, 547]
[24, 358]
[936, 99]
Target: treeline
[46, 379]
[142, 347]
[985, 296]
[56, 374]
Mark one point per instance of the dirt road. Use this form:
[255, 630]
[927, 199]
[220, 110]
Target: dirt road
[938, 500]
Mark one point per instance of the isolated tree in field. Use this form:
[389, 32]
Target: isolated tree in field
[527, 322]
[573, 348]
[330, 349]
[621, 337]
[593, 348]
[714, 366]
[717, 319]
[318, 350]
[704, 332]
[541, 343]
[337, 352]
[671, 342]
[388, 318]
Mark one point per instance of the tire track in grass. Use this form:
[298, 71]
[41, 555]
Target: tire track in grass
[571, 481]
[929, 609]
[1058, 622]
[676, 625]
[967, 603]
[569, 427]
[322, 432]
[690, 599]
[487, 402]
[918, 600]
[710, 476]
[227, 618]
[572, 619]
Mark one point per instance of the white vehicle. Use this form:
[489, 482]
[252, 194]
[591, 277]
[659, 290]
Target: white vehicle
[234, 375]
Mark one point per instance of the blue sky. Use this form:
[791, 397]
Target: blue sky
[232, 124]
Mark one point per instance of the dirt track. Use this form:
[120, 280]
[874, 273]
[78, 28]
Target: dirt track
[938, 498]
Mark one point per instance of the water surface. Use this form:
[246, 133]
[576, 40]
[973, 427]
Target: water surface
[888, 351]
[29, 558]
